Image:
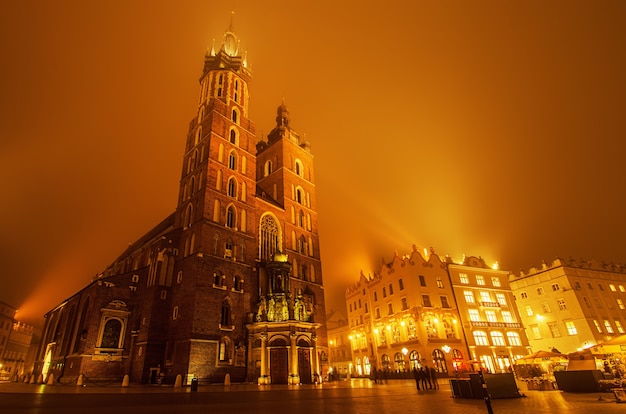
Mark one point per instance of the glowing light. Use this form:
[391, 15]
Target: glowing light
[388, 327]
[539, 317]
[376, 330]
[495, 266]
[405, 351]
[436, 320]
[402, 323]
[446, 349]
[454, 321]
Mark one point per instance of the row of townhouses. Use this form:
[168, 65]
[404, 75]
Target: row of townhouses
[424, 310]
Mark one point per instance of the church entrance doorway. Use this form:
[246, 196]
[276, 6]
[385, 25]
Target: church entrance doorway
[279, 366]
[304, 365]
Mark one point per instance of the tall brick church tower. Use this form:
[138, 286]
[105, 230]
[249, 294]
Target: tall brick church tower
[231, 282]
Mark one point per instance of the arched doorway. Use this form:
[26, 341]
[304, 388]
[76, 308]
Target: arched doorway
[414, 360]
[304, 362]
[367, 367]
[279, 361]
[46, 361]
[385, 362]
[398, 361]
[439, 359]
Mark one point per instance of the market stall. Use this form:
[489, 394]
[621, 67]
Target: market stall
[537, 369]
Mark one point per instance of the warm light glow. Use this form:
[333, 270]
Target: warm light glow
[446, 349]
[495, 266]
[388, 327]
[376, 330]
[539, 317]
[454, 321]
[405, 351]
[381, 229]
[402, 323]
[436, 320]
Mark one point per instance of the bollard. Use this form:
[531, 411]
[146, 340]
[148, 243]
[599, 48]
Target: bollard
[50, 379]
[179, 381]
[486, 395]
[227, 380]
[125, 381]
[81, 380]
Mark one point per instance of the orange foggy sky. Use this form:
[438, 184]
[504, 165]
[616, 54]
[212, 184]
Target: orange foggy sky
[484, 128]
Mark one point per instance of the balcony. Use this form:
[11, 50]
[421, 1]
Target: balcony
[490, 304]
[496, 324]
[444, 340]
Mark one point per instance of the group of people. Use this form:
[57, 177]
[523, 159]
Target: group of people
[426, 377]
[380, 375]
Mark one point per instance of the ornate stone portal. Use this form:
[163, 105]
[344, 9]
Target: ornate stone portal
[282, 338]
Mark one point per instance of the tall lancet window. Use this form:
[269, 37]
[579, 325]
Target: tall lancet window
[270, 237]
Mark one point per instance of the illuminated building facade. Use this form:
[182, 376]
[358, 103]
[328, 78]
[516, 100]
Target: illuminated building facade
[490, 321]
[230, 283]
[405, 317]
[339, 346]
[15, 358]
[7, 318]
[571, 305]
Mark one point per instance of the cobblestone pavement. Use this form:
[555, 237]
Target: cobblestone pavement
[343, 397]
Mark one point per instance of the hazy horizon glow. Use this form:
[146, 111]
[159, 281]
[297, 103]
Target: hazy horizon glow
[488, 129]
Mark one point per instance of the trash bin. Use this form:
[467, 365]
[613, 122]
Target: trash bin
[194, 384]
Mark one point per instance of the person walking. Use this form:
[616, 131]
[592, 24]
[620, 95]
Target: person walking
[416, 375]
[427, 375]
[433, 378]
[375, 375]
[423, 376]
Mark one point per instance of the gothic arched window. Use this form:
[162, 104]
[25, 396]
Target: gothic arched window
[225, 320]
[230, 217]
[232, 187]
[269, 237]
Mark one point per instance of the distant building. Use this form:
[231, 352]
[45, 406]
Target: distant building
[7, 319]
[490, 321]
[571, 305]
[340, 351]
[15, 343]
[16, 354]
[230, 283]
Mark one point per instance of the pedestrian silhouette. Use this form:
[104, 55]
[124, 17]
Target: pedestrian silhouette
[423, 376]
[427, 375]
[433, 378]
[416, 375]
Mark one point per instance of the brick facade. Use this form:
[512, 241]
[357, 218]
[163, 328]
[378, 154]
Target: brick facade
[184, 299]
